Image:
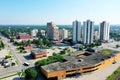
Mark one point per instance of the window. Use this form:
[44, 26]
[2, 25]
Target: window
[73, 70]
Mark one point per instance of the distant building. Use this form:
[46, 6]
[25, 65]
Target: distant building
[63, 33]
[43, 33]
[96, 35]
[88, 28]
[77, 31]
[38, 53]
[34, 32]
[52, 31]
[104, 31]
[23, 36]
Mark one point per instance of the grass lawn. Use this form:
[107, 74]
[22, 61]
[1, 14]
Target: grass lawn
[7, 76]
[106, 52]
[22, 74]
[114, 74]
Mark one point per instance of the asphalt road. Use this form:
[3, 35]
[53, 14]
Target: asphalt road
[18, 56]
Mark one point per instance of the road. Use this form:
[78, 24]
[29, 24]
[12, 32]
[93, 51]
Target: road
[18, 56]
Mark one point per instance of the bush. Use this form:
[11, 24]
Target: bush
[8, 56]
[30, 74]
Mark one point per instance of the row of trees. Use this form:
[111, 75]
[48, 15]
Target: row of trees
[96, 43]
[42, 43]
[50, 59]
[2, 45]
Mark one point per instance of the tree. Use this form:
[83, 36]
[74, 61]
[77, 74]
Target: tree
[11, 40]
[30, 74]
[47, 43]
[28, 42]
[40, 43]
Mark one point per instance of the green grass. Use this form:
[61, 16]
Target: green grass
[106, 52]
[22, 74]
[7, 76]
[114, 74]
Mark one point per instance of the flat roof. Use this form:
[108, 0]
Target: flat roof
[38, 51]
[74, 61]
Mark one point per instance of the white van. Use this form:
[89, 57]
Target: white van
[26, 63]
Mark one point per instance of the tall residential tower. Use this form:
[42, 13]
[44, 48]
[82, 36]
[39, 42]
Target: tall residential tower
[77, 32]
[104, 31]
[88, 28]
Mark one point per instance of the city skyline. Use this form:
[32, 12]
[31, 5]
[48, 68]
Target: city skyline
[58, 11]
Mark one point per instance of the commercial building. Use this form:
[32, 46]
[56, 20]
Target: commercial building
[88, 28]
[52, 31]
[79, 62]
[34, 32]
[23, 36]
[104, 31]
[38, 53]
[63, 33]
[77, 31]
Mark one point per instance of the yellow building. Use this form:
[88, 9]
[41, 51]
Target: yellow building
[79, 62]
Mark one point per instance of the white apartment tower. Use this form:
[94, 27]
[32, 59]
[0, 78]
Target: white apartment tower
[104, 30]
[77, 31]
[88, 28]
[52, 31]
[63, 33]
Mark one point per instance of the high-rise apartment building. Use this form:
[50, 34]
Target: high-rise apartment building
[52, 31]
[63, 33]
[77, 32]
[104, 30]
[88, 28]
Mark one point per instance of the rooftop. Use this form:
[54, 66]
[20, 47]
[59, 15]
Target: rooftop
[79, 59]
[37, 51]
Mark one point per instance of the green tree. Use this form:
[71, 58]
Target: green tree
[40, 43]
[30, 74]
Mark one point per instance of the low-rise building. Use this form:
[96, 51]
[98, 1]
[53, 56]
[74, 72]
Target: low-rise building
[27, 47]
[38, 53]
[22, 37]
[79, 62]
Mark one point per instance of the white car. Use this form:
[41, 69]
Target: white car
[26, 63]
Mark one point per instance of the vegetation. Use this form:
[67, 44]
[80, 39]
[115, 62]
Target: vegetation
[9, 55]
[94, 44]
[30, 74]
[22, 74]
[43, 43]
[117, 46]
[8, 76]
[106, 52]
[115, 36]
[50, 59]
[114, 74]
[2, 45]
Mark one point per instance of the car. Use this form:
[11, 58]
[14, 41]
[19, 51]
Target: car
[26, 64]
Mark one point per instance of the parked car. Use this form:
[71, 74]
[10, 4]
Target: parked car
[26, 64]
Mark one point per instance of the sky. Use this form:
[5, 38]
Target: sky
[59, 11]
